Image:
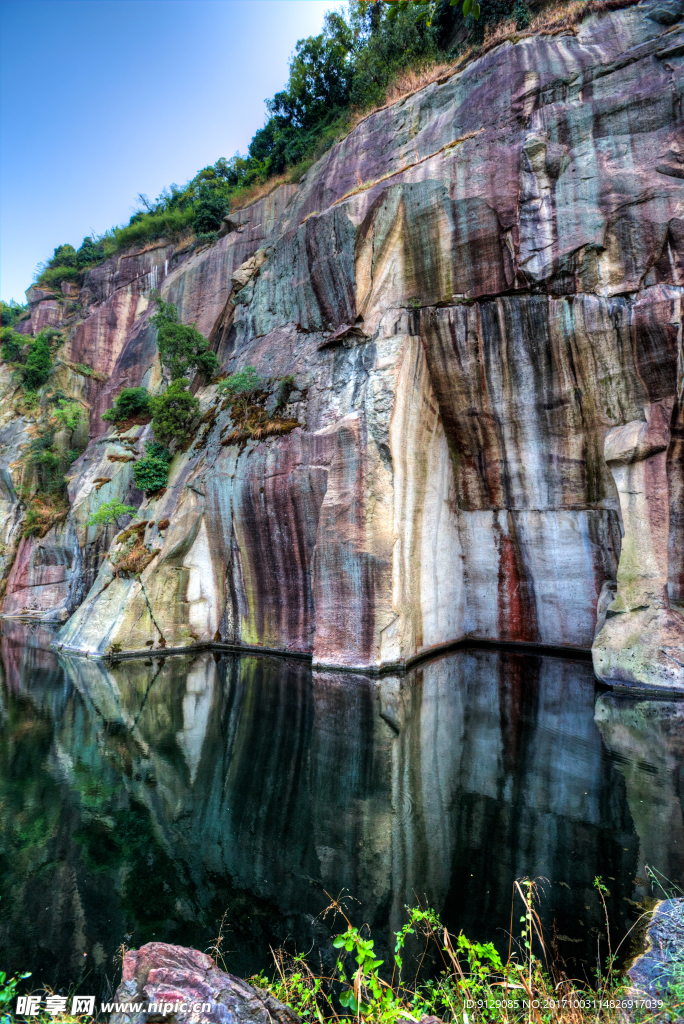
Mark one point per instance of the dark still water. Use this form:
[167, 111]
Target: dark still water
[143, 800]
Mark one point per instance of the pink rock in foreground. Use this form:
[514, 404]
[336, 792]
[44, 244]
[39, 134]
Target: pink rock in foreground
[161, 982]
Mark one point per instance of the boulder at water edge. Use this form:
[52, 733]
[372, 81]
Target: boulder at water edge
[185, 986]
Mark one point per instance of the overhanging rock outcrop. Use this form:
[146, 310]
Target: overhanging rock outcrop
[479, 295]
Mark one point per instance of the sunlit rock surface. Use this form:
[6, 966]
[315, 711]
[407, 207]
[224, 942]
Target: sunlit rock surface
[478, 292]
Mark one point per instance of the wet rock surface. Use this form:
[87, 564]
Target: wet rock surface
[662, 964]
[185, 985]
[479, 295]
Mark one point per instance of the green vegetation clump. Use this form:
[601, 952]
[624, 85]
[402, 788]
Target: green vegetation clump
[13, 345]
[174, 413]
[11, 312]
[181, 346]
[90, 253]
[68, 264]
[38, 363]
[46, 459]
[111, 512]
[247, 395]
[69, 414]
[152, 472]
[475, 984]
[242, 386]
[131, 403]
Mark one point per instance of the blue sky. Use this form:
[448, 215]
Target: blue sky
[103, 99]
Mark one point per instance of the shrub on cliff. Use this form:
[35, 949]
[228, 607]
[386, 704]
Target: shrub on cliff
[152, 471]
[13, 346]
[181, 346]
[242, 386]
[68, 264]
[147, 227]
[210, 209]
[69, 414]
[90, 253]
[38, 363]
[131, 403]
[63, 256]
[46, 465]
[11, 312]
[174, 413]
[44, 511]
[110, 512]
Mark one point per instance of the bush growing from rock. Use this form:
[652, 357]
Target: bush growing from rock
[111, 512]
[210, 210]
[13, 345]
[242, 386]
[38, 363]
[89, 252]
[152, 471]
[63, 256]
[130, 403]
[174, 412]
[11, 312]
[181, 346]
[69, 414]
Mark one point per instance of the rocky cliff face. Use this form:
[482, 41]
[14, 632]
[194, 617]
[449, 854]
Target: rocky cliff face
[479, 295]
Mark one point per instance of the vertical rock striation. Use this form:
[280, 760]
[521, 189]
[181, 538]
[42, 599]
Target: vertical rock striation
[479, 295]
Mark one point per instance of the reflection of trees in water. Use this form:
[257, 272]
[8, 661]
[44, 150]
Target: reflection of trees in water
[147, 798]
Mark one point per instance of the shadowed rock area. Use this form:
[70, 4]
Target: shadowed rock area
[478, 293]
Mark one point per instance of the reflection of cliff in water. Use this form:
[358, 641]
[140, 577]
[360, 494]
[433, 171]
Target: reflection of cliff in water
[144, 799]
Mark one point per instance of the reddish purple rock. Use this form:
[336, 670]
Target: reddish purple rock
[161, 982]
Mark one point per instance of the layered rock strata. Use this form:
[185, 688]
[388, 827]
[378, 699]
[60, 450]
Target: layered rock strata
[478, 293]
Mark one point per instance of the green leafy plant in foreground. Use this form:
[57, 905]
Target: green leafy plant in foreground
[8, 993]
[474, 986]
[111, 512]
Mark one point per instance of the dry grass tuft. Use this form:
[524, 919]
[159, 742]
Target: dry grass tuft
[100, 481]
[44, 511]
[184, 242]
[120, 458]
[134, 555]
[252, 194]
[414, 79]
[275, 427]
